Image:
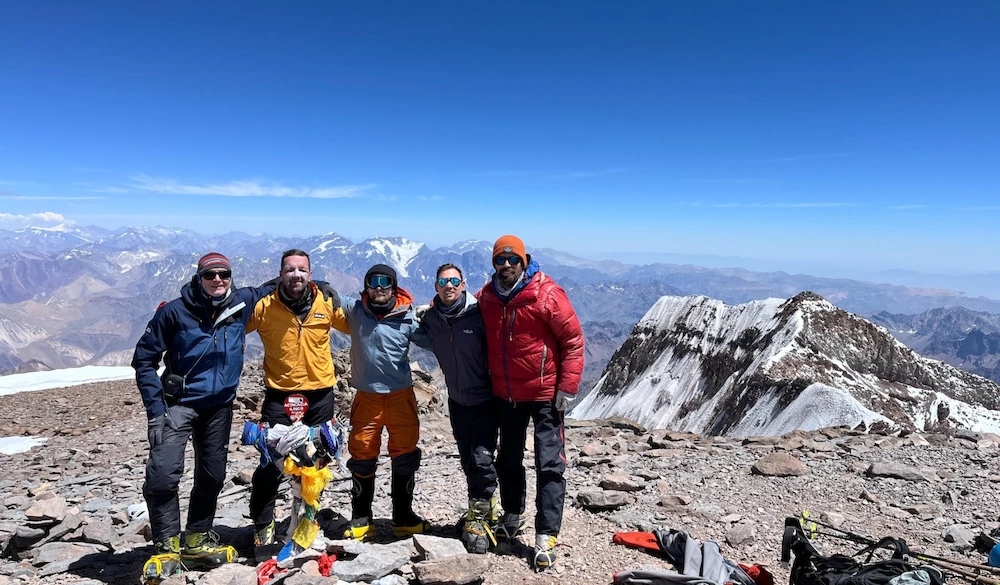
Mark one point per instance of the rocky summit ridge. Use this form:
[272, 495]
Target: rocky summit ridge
[64, 516]
[772, 366]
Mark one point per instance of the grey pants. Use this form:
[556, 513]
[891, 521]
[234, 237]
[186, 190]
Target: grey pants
[165, 466]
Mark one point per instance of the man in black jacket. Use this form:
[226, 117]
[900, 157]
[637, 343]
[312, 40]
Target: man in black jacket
[453, 329]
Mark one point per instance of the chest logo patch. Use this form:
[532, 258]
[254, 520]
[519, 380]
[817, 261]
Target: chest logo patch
[319, 315]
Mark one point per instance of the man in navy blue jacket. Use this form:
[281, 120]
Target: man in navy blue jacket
[200, 337]
[453, 328]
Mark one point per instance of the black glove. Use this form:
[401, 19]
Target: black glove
[273, 282]
[155, 430]
[329, 294]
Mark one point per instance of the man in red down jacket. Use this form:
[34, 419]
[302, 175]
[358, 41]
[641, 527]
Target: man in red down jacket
[535, 352]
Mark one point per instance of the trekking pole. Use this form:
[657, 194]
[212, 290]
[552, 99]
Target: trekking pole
[804, 517]
[926, 557]
[972, 576]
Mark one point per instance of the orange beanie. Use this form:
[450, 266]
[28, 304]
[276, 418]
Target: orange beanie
[510, 245]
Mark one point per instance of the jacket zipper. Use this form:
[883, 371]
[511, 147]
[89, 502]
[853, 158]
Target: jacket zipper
[506, 373]
[541, 374]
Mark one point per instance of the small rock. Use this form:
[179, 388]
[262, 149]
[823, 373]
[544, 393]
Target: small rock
[377, 561]
[96, 505]
[458, 570]
[100, 532]
[869, 497]
[739, 534]
[894, 470]
[53, 509]
[232, 573]
[675, 500]
[960, 535]
[598, 500]
[244, 477]
[620, 482]
[779, 464]
[592, 449]
[435, 547]
[64, 551]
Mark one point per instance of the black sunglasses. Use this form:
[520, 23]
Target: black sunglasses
[211, 274]
[501, 260]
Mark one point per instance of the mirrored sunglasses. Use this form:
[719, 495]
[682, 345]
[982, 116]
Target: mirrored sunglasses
[453, 281]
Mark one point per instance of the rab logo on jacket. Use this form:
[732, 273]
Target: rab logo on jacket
[468, 331]
[319, 315]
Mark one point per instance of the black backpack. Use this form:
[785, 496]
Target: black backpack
[809, 567]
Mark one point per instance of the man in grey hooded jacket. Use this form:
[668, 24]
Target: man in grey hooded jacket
[453, 328]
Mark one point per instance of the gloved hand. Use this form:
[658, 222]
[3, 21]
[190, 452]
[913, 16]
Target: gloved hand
[330, 294]
[564, 400]
[273, 282]
[420, 310]
[296, 436]
[154, 430]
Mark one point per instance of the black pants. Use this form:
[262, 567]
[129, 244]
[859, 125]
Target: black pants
[550, 461]
[165, 466]
[475, 429]
[267, 479]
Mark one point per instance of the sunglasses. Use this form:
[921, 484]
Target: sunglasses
[501, 260]
[211, 274]
[380, 281]
[453, 281]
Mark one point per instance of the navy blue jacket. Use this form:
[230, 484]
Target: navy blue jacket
[460, 348]
[207, 349]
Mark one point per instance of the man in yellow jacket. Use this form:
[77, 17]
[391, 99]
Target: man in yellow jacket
[294, 324]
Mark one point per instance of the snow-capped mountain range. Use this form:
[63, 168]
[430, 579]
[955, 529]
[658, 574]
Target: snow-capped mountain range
[73, 295]
[771, 366]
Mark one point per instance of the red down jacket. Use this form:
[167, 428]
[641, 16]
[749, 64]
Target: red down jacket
[534, 342]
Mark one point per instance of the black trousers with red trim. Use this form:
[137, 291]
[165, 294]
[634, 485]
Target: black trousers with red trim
[550, 461]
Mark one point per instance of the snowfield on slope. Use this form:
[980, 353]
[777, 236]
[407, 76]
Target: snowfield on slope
[32, 381]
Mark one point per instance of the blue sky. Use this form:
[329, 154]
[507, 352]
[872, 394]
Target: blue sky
[861, 134]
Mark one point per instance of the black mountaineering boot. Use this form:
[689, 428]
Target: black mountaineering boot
[362, 526]
[404, 521]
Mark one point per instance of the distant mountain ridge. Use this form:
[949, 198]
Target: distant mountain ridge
[772, 366]
[74, 295]
[955, 335]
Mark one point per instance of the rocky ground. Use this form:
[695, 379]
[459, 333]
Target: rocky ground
[64, 515]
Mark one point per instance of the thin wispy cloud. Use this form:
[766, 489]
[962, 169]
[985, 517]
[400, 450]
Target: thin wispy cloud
[984, 208]
[804, 157]
[779, 205]
[47, 197]
[580, 174]
[110, 189]
[912, 206]
[502, 173]
[430, 198]
[589, 174]
[722, 181]
[6, 183]
[245, 189]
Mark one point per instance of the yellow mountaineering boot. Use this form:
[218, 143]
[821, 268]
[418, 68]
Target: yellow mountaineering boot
[202, 550]
[166, 561]
[480, 522]
[545, 551]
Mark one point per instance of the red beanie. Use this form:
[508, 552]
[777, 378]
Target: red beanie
[510, 245]
[213, 261]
